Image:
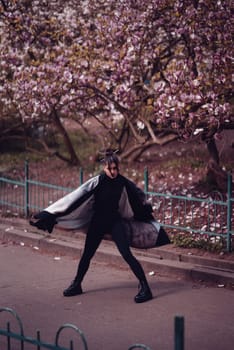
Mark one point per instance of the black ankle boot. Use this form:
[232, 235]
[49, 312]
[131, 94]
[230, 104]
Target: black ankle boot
[73, 289]
[144, 293]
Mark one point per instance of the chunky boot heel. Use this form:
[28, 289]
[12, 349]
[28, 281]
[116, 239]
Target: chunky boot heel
[73, 289]
[144, 293]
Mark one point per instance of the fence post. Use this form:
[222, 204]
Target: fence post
[229, 212]
[146, 180]
[26, 193]
[81, 176]
[179, 333]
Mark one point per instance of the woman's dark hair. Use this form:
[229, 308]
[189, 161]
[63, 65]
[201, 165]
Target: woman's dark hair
[110, 156]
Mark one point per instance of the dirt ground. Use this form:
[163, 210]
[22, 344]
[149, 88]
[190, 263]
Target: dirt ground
[176, 169]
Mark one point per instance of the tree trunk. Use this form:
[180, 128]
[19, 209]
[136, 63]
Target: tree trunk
[216, 176]
[212, 149]
[73, 160]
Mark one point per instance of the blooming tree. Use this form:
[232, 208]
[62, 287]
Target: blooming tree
[149, 72]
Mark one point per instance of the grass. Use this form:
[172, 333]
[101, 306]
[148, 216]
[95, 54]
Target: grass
[208, 243]
[83, 144]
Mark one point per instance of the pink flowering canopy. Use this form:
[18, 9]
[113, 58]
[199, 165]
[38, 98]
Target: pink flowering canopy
[160, 68]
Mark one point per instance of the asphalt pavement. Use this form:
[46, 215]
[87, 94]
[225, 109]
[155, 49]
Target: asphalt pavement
[164, 260]
[35, 268]
[32, 282]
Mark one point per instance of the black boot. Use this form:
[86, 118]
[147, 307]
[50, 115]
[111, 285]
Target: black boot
[144, 293]
[73, 289]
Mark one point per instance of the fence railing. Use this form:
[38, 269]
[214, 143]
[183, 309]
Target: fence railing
[210, 217]
[10, 340]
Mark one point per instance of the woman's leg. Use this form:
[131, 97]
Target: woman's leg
[93, 240]
[120, 239]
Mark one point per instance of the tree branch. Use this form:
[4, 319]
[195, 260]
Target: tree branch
[4, 5]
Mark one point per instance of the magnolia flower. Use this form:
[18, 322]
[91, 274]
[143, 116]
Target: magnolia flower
[68, 76]
[197, 131]
[140, 125]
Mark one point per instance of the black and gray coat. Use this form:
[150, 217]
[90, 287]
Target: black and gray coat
[75, 211]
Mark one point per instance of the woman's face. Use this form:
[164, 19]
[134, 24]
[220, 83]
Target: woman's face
[111, 170]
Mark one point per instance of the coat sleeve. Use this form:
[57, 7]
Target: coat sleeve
[137, 199]
[142, 229]
[71, 211]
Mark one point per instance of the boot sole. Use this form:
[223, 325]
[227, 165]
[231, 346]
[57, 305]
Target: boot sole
[138, 301]
[72, 294]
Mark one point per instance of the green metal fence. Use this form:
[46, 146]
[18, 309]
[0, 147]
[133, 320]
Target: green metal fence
[210, 217]
[10, 340]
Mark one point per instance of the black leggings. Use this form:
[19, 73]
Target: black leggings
[93, 239]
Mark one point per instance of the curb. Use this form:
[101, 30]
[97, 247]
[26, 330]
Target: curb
[158, 261]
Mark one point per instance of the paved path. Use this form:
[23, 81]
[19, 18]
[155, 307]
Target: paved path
[166, 260]
[31, 282]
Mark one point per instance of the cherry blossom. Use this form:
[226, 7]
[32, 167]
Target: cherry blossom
[159, 63]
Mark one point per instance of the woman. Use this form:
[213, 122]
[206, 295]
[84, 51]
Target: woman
[110, 204]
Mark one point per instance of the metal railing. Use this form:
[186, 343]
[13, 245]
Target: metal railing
[22, 339]
[210, 217]
[8, 338]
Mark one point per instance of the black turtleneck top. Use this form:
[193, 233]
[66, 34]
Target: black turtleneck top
[107, 196]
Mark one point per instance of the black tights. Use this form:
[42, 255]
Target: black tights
[93, 240]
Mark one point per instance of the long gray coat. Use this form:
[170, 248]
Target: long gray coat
[75, 210]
